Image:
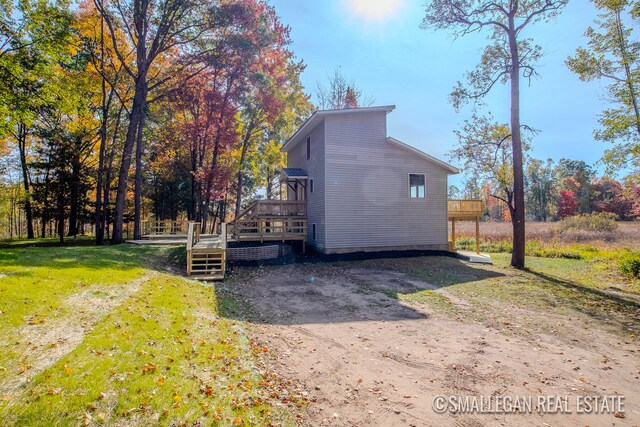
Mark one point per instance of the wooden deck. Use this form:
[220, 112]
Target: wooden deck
[464, 210]
[270, 220]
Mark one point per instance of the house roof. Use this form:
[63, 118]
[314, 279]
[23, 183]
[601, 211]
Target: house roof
[296, 173]
[413, 150]
[317, 116]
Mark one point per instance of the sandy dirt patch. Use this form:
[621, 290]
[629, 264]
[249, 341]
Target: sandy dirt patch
[372, 360]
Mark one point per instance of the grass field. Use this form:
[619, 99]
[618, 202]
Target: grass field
[105, 335]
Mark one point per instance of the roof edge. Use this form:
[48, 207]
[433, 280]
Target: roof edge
[452, 169]
[286, 147]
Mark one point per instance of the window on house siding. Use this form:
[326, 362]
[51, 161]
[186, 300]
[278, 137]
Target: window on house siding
[313, 232]
[417, 185]
[311, 185]
[308, 147]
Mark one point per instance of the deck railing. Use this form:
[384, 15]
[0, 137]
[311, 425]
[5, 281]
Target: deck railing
[465, 208]
[274, 208]
[164, 228]
[270, 228]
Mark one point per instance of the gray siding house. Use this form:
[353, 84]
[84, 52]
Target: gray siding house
[364, 190]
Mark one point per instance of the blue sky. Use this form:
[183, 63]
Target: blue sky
[379, 44]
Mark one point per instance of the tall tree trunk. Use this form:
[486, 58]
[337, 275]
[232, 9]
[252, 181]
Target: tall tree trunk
[99, 219]
[74, 190]
[517, 218]
[137, 215]
[135, 118]
[22, 148]
[243, 155]
[60, 206]
[45, 207]
[109, 172]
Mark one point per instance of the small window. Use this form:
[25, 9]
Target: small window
[313, 232]
[311, 185]
[416, 185]
[308, 147]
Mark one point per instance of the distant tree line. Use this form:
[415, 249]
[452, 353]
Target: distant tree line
[557, 190]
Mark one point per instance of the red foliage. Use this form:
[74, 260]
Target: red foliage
[568, 204]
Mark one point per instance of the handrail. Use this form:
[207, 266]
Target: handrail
[465, 207]
[274, 208]
[193, 235]
[163, 227]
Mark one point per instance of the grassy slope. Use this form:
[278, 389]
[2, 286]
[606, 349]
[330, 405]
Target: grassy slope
[95, 334]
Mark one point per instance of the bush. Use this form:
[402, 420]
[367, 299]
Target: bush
[603, 222]
[630, 265]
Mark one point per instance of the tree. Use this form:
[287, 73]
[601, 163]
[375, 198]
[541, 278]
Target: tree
[613, 54]
[608, 196]
[340, 93]
[507, 57]
[154, 30]
[485, 148]
[576, 175]
[567, 204]
[33, 36]
[539, 180]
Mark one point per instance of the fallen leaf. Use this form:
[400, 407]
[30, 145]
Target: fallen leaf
[619, 415]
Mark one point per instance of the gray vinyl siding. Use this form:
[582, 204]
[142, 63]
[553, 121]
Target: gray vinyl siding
[315, 168]
[367, 189]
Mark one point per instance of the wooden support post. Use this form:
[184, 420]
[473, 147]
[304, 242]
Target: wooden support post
[478, 235]
[453, 233]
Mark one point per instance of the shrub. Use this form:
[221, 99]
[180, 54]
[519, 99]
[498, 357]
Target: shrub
[603, 222]
[630, 265]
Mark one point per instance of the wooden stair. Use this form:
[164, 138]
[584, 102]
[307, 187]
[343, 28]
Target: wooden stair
[206, 257]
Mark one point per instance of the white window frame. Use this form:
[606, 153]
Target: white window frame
[409, 185]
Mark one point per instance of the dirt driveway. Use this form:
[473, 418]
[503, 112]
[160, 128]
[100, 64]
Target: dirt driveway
[371, 359]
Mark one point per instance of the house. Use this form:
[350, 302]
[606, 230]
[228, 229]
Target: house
[364, 190]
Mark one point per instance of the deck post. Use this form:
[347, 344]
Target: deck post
[453, 233]
[478, 235]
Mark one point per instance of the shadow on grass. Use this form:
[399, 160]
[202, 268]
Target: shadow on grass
[74, 256]
[47, 242]
[596, 303]
[347, 289]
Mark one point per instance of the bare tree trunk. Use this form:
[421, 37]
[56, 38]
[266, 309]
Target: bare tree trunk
[243, 155]
[45, 208]
[137, 111]
[518, 217]
[74, 190]
[100, 223]
[61, 214]
[137, 216]
[22, 147]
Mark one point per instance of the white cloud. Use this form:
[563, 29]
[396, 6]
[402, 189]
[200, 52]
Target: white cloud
[375, 10]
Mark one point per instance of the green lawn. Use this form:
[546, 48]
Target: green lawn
[103, 335]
